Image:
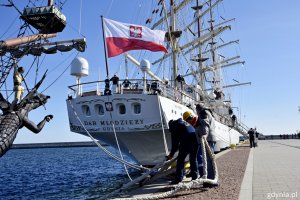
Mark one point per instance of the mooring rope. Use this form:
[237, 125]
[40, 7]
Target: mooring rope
[117, 141]
[162, 125]
[192, 184]
[103, 148]
[140, 178]
[204, 157]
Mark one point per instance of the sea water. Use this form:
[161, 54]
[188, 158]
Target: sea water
[59, 173]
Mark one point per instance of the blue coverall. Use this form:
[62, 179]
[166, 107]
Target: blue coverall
[183, 137]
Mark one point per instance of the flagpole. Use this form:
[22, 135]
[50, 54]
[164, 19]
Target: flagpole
[104, 42]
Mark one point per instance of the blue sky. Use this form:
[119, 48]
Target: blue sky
[269, 39]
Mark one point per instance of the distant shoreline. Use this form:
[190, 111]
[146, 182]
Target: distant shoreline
[55, 145]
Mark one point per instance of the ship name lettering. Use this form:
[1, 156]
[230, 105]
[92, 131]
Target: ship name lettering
[90, 123]
[121, 122]
[76, 128]
[111, 129]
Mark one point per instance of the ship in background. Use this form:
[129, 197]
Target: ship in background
[133, 113]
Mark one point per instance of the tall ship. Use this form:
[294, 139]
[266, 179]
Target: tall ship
[132, 114]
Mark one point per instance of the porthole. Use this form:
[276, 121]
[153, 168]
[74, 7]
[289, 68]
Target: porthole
[86, 110]
[99, 109]
[121, 108]
[136, 108]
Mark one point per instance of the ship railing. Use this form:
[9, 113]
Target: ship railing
[86, 89]
[185, 95]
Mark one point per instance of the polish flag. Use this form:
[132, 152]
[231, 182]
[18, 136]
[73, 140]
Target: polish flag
[121, 37]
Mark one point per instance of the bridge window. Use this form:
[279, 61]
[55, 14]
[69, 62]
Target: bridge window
[86, 110]
[99, 109]
[122, 109]
[136, 107]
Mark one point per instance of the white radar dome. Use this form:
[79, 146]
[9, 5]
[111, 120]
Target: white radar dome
[145, 65]
[79, 67]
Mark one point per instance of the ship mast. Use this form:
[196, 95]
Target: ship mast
[173, 41]
[200, 58]
[212, 43]
[212, 47]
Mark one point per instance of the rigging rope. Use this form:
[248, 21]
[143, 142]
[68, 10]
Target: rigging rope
[9, 27]
[59, 75]
[109, 8]
[80, 13]
[37, 69]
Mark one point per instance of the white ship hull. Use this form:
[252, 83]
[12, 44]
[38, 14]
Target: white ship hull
[139, 132]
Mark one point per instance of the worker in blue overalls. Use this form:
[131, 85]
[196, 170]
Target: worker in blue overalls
[183, 137]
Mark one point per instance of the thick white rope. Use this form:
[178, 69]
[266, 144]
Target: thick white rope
[117, 141]
[204, 157]
[140, 178]
[213, 160]
[192, 184]
[162, 125]
[104, 149]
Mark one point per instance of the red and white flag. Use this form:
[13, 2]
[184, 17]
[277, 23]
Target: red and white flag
[121, 37]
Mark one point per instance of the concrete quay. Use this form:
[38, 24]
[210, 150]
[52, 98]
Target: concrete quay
[273, 171]
[231, 166]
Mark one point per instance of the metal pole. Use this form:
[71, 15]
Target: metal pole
[50, 2]
[104, 44]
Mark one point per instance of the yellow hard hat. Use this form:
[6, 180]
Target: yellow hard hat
[186, 115]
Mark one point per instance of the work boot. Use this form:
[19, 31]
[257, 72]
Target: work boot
[195, 178]
[175, 182]
[209, 185]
